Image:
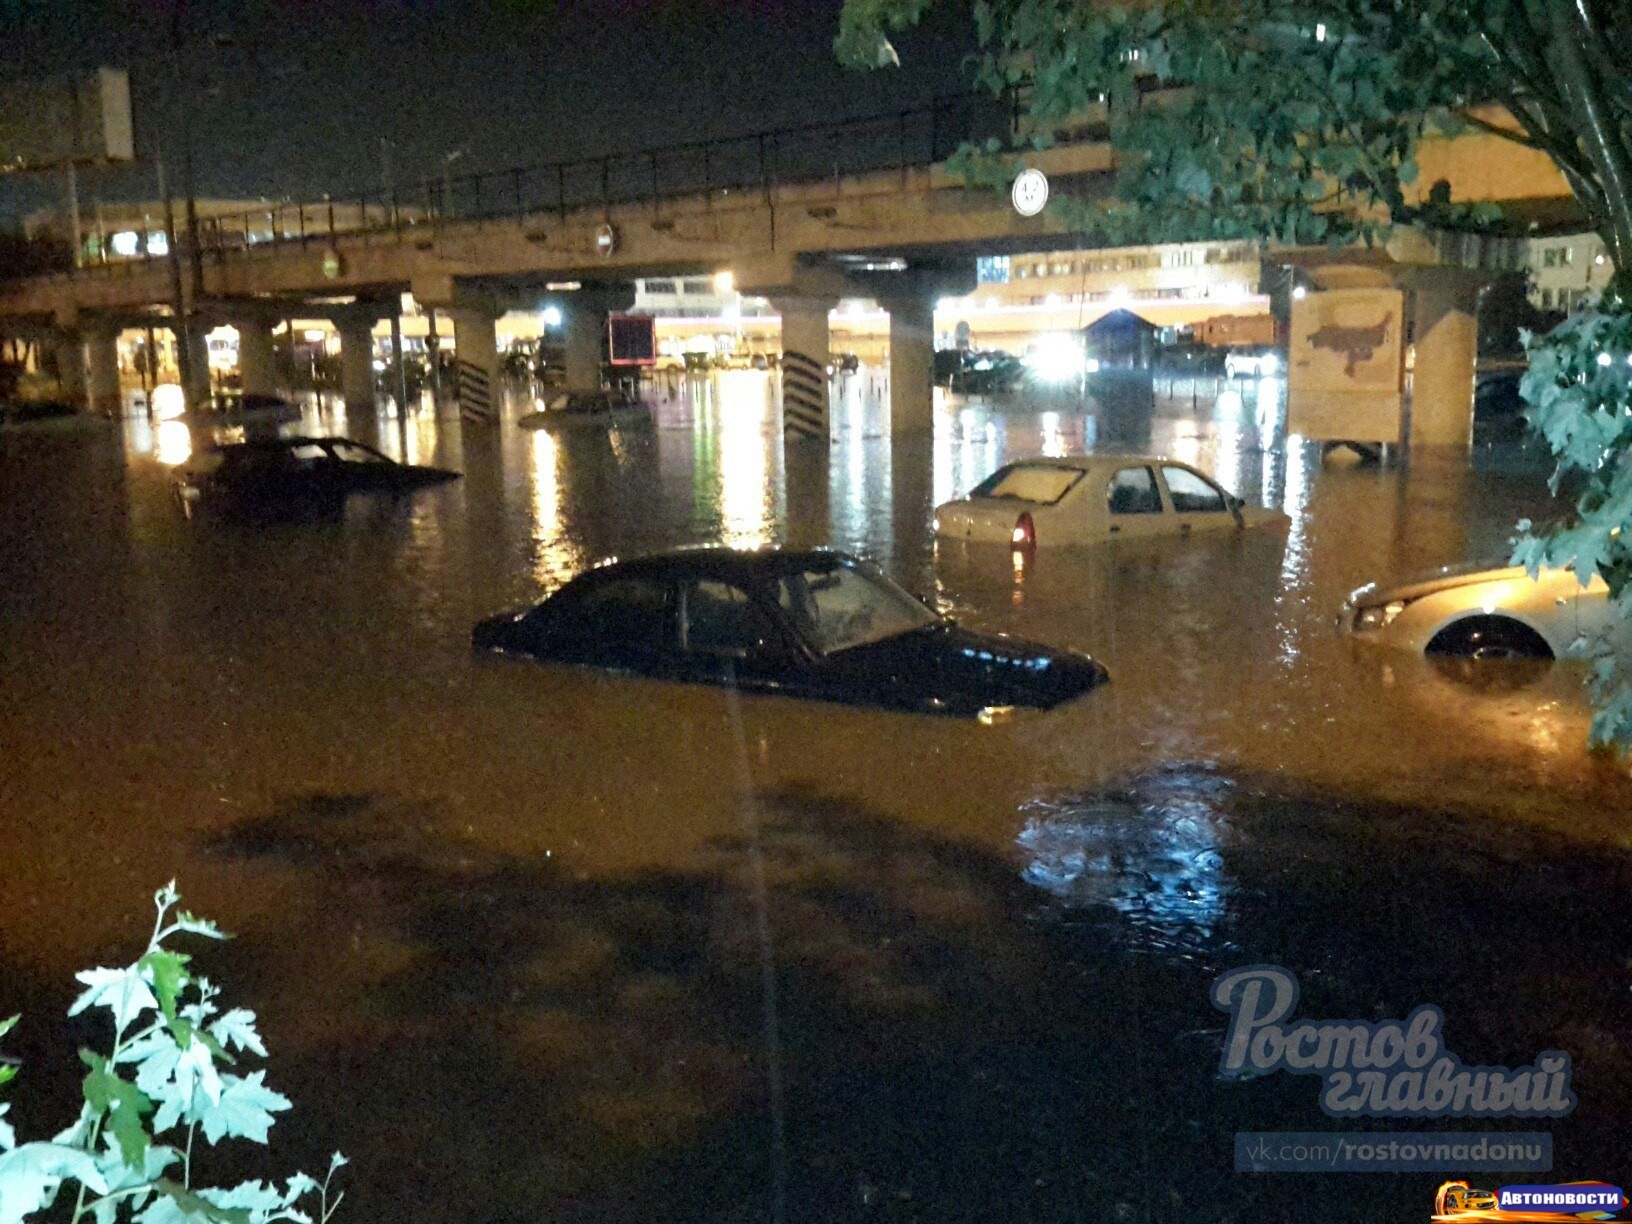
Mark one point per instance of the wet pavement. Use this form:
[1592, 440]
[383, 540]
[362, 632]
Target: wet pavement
[537, 944]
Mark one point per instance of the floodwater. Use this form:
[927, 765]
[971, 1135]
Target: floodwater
[537, 944]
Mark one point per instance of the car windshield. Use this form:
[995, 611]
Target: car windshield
[1038, 483]
[834, 607]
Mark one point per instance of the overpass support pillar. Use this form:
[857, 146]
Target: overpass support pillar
[196, 387]
[912, 363]
[805, 403]
[585, 324]
[476, 364]
[102, 347]
[357, 365]
[1445, 329]
[257, 372]
[69, 351]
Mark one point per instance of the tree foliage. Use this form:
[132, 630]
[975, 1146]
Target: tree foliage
[1298, 121]
[166, 1073]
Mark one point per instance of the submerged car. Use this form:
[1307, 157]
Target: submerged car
[1486, 612]
[814, 624]
[606, 407]
[1083, 499]
[293, 475]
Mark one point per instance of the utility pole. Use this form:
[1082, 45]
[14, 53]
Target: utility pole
[178, 303]
[187, 310]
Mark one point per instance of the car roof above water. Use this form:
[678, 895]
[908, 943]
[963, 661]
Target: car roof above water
[724, 562]
[1087, 463]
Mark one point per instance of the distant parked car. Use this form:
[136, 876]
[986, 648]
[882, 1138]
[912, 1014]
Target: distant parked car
[988, 372]
[1253, 363]
[1498, 407]
[292, 475]
[20, 411]
[1486, 612]
[1082, 499]
[609, 406]
[818, 625]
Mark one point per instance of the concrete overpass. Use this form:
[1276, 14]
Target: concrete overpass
[859, 208]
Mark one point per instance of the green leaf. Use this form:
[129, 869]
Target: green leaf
[30, 1175]
[176, 1204]
[121, 991]
[122, 1103]
[237, 1028]
[167, 971]
[244, 1110]
[198, 926]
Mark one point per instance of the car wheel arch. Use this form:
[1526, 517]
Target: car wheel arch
[1509, 632]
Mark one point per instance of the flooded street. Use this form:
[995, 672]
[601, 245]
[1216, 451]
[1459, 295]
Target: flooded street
[510, 927]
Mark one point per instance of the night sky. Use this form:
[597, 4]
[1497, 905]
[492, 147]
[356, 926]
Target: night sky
[298, 99]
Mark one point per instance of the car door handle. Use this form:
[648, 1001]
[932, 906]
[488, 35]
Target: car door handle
[1115, 529]
[1184, 529]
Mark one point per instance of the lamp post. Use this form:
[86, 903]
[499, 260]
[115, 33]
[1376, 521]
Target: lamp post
[448, 159]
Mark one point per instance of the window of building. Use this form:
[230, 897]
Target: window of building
[1549, 257]
[1547, 297]
[659, 286]
[700, 287]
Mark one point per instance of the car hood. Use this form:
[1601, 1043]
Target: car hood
[1448, 578]
[944, 668]
[413, 474]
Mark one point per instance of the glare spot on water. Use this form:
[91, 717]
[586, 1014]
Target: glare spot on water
[556, 555]
[1160, 866]
[173, 442]
[747, 500]
[1295, 561]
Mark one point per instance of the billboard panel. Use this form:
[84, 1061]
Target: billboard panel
[632, 339]
[1344, 365]
[84, 119]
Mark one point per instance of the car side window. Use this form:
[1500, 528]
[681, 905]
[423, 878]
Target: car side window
[719, 618]
[348, 452]
[626, 611]
[1193, 494]
[306, 452]
[1133, 491]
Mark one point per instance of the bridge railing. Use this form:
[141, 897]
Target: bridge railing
[713, 170]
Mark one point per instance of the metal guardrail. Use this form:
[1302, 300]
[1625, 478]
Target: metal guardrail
[758, 163]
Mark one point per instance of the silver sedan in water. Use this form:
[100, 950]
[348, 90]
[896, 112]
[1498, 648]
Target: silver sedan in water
[1488, 613]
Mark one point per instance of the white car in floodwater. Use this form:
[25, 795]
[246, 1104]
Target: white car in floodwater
[1482, 612]
[1084, 499]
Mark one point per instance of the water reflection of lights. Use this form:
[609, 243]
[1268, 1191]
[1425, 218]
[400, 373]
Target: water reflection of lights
[173, 442]
[747, 500]
[1053, 439]
[1159, 865]
[556, 558]
[168, 402]
[1295, 560]
[139, 434]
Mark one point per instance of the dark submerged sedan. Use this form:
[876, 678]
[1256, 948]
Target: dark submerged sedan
[817, 624]
[293, 475]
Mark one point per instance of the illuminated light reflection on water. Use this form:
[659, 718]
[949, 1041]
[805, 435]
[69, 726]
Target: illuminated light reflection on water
[1158, 865]
[746, 495]
[172, 442]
